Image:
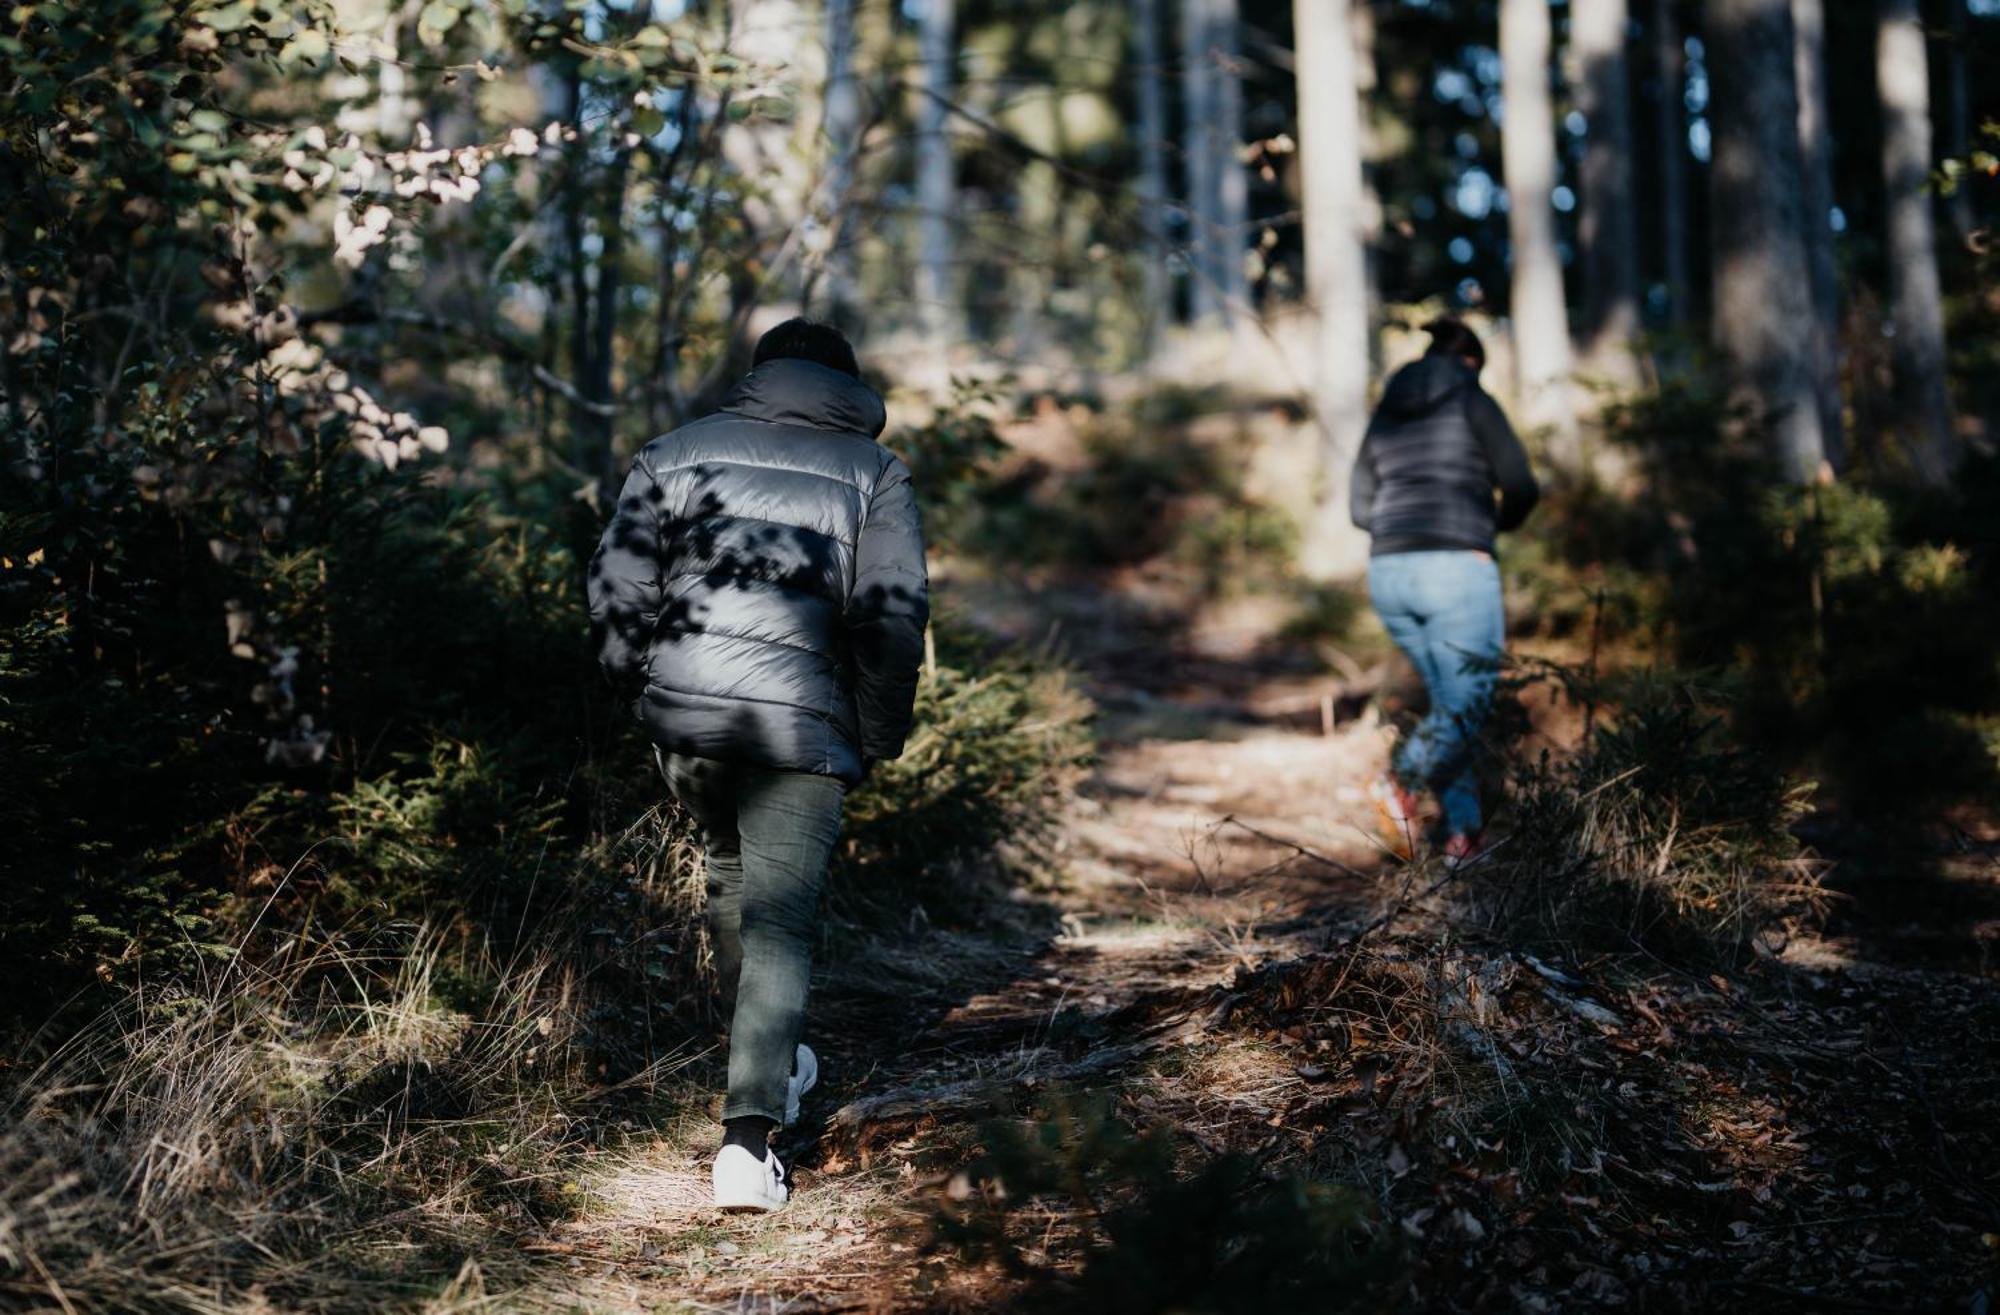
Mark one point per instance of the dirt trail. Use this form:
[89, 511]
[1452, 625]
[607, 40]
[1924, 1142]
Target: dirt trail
[1161, 899]
[1222, 831]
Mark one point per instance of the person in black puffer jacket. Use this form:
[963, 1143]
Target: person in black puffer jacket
[761, 588]
[1436, 454]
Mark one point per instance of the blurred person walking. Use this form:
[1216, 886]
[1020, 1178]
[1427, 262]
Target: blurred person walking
[1436, 453]
[761, 591]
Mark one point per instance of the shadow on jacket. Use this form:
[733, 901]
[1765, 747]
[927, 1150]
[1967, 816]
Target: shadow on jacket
[762, 582]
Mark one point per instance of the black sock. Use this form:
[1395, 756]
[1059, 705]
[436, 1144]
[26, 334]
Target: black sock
[752, 1132]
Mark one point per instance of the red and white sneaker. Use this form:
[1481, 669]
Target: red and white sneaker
[1396, 812]
[1461, 848]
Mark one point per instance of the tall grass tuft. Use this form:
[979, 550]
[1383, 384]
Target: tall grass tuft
[1660, 833]
[315, 1133]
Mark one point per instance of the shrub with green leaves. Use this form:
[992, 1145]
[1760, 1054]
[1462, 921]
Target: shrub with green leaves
[262, 616]
[995, 750]
[1126, 504]
[951, 456]
[1848, 615]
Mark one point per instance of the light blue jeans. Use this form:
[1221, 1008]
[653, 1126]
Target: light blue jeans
[1443, 610]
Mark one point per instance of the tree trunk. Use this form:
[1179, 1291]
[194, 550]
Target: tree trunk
[937, 296]
[1763, 279]
[1816, 162]
[1528, 158]
[1232, 180]
[1915, 302]
[1038, 209]
[584, 451]
[1198, 110]
[1336, 268]
[1610, 226]
[778, 151]
[1672, 145]
[1362, 13]
[1957, 116]
[1158, 303]
[843, 141]
[596, 381]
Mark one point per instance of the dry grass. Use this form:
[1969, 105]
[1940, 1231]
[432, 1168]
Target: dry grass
[315, 1130]
[1660, 833]
[442, 1114]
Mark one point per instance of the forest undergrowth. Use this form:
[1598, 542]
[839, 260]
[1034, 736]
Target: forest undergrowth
[350, 960]
[441, 1017]
[362, 1104]
[1645, 1053]
[1612, 1064]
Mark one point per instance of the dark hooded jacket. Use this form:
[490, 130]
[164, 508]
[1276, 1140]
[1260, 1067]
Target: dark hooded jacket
[762, 582]
[1436, 450]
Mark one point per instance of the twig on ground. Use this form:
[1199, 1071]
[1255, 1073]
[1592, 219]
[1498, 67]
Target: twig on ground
[1303, 851]
[915, 1102]
[1403, 905]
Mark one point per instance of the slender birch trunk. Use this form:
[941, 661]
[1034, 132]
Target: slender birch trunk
[1198, 111]
[1670, 58]
[1157, 295]
[1232, 180]
[843, 142]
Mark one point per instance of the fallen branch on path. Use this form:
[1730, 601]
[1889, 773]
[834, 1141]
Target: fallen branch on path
[977, 1095]
[1219, 1013]
[1302, 851]
[1397, 909]
[974, 1095]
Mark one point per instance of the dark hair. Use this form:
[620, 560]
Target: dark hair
[1450, 337]
[808, 340]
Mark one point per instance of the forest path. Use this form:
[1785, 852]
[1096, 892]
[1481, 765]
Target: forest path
[1184, 856]
[1798, 1143]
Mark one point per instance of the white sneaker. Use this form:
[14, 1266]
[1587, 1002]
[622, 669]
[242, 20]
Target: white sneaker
[805, 1076]
[742, 1182]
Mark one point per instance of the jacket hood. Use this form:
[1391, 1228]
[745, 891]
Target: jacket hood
[1424, 385]
[795, 392]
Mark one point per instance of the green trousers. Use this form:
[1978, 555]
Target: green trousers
[767, 836]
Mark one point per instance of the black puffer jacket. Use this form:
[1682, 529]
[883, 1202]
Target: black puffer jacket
[764, 573]
[1436, 450]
